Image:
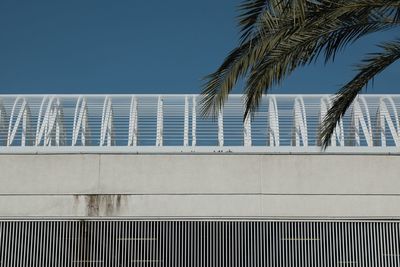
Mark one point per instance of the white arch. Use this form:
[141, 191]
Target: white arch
[247, 131]
[221, 127]
[107, 127]
[23, 118]
[360, 108]
[338, 133]
[186, 123]
[273, 126]
[160, 121]
[299, 130]
[3, 116]
[80, 122]
[133, 123]
[194, 121]
[49, 127]
[383, 115]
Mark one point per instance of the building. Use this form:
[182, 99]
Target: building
[144, 180]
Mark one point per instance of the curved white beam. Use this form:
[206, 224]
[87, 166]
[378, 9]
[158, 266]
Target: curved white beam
[194, 121]
[273, 125]
[23, 118]
[107, 127]
[221, 127]
[299, 130]
[383, 117]
[81, 123]
[50, 125]
[360, 116]
[160, 121]
[186, 123]
[133, 123]
[247, 131]
[3, 116]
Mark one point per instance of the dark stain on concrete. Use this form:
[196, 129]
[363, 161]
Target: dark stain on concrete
[92, 205]
[101, 205]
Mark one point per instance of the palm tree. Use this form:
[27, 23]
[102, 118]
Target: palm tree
[278, 36]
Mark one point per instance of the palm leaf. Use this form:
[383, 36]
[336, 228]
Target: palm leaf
[219, 84]
[250, 15]
[298, 50]
[304, 46]
[371, 66]
[279, 36]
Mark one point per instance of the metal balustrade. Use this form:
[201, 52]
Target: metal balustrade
[172, 123]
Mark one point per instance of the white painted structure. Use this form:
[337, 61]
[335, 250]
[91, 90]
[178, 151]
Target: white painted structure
[171, 123]
[144, 180]
[153, 156]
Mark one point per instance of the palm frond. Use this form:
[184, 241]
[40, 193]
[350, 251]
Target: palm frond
[250, 13]
[357, 20]
[297, 50]
[220, 83]
[282, 35]
[305, 45]
[370, 67]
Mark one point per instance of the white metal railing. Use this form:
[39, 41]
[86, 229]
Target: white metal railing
[167, 123]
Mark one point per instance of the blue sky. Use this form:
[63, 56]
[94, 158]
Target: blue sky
[98, 46]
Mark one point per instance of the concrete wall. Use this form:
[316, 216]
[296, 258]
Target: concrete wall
[194, 185]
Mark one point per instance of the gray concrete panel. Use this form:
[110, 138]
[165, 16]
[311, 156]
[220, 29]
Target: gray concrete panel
[49, 174]
[200, 206]
[180, 174]
[330, 174]
[197, 174]
[331, 206]
[200, 185]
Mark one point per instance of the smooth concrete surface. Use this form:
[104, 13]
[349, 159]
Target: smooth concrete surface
[201, 206]
[199, 185]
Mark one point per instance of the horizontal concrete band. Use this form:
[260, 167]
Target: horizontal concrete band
[199, 185]
[199, 206]
[199, 174]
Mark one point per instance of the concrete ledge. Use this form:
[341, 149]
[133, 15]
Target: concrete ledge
[96, 185]
[213, 150]
[199, 174]
[199, 206]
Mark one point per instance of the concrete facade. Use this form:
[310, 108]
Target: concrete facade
[200, 185]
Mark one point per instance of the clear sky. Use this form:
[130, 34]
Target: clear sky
[146, 46]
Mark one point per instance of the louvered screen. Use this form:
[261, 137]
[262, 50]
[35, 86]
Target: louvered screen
[199, 243]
